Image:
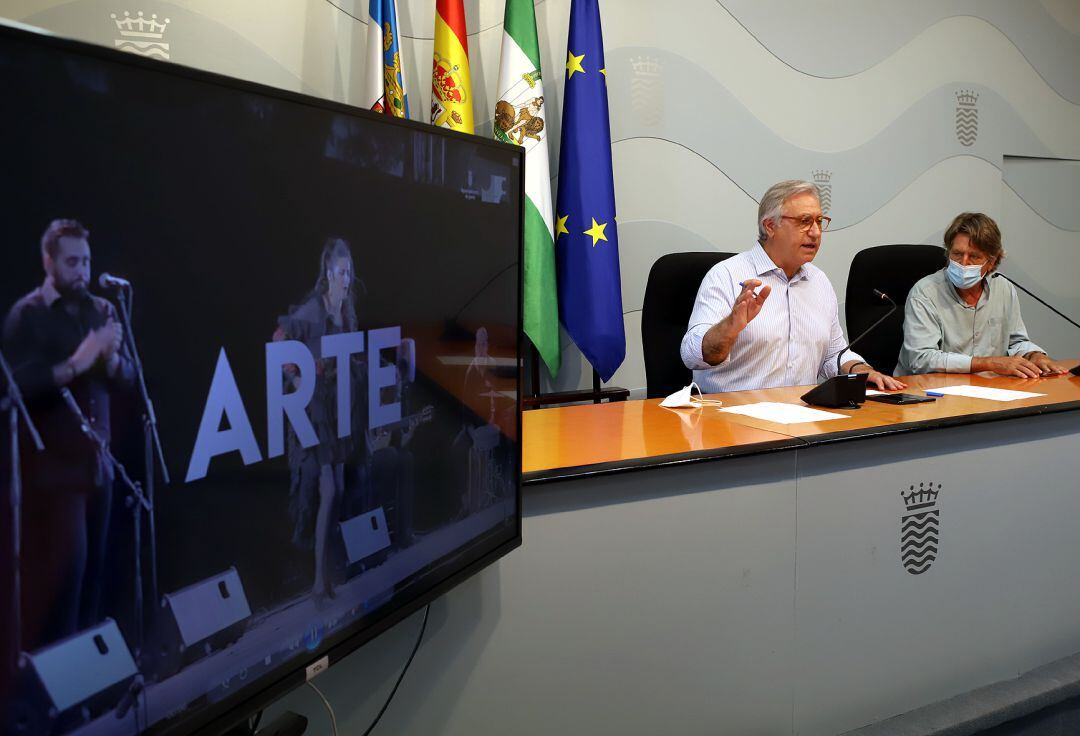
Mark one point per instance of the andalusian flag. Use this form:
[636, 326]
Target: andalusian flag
[451, 90]
[586, 237]
[519, 118]
[384, 81]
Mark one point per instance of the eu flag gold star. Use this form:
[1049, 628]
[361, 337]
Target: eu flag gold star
[573, 64]
[560, 226]
[596, 232]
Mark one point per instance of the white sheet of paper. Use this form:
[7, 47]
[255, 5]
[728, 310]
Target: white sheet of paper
[873, 392]
[981, 392]
[772, 411]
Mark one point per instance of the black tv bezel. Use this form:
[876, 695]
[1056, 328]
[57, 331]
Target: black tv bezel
[270, 687]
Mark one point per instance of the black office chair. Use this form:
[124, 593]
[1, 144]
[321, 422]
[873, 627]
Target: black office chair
[665, 313]
[893, 269]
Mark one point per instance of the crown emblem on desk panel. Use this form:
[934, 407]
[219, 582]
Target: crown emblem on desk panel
[142, 35]
[967, 116]
[647, 90]
[920, 527]
[823, 179]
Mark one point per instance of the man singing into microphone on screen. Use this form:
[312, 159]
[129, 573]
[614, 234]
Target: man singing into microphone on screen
[960, 320]
[58, 336]
[767, 317]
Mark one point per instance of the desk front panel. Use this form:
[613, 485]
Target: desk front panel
[896, 607]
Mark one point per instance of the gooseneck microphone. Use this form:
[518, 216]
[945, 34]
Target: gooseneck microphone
[883, 297]
[1040, 301]
[109, 282]
[846, 390]
[1076, 370]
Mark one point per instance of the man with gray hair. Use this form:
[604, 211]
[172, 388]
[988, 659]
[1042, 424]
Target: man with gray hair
[738, 338]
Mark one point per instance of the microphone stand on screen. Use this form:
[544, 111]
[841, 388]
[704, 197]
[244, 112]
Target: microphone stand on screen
[1075, 369]
[16, 408]
[154, 455]
[138, 501]
[846, 390]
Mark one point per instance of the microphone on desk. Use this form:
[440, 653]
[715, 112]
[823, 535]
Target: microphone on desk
[846, 390]
[1076, 370]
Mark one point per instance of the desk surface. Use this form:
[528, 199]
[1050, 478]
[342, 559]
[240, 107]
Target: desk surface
[574, 441]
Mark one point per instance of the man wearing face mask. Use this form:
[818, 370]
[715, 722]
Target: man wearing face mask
[768, 317]
[959, 320]
[60, 336]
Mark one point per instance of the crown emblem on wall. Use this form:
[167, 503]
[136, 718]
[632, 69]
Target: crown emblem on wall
[142, 35]
[920, 527]
[823, 179]
[647, 90]
[646, 65]
[967, 116]
[967, 97]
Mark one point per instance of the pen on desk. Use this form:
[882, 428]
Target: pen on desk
[934, 393]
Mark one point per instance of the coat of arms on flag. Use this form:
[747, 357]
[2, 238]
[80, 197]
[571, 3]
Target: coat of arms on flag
[384, 77]
[447, 90]
[519, 116]
[392, 75]
[451, 97]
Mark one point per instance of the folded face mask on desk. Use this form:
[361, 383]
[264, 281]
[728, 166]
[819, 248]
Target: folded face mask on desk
[682, 399]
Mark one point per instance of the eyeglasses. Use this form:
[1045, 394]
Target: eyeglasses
[974, 258]
[807, 221]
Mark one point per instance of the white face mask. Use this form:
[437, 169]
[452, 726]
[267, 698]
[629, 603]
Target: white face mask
[683, 399]
[963, 277]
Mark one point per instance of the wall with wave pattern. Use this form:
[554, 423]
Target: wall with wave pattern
[905, 114]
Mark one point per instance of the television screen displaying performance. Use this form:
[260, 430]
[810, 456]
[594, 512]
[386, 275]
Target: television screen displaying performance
[267, 348]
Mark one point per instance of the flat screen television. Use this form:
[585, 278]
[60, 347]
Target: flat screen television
[270, 346]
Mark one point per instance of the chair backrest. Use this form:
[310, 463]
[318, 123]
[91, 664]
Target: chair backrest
[665, 314]
[893, 269]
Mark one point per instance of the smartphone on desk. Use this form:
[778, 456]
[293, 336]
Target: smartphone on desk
[900, 398]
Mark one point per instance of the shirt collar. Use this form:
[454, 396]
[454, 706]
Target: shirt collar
[49, 292]
[763, 265]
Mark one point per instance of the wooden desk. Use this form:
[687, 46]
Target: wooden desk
[575, 441]
[750, 578]
[565, 442]
[754, 576]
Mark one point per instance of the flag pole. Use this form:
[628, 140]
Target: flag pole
[597, 394]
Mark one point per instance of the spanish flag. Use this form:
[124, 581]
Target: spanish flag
[451, 89]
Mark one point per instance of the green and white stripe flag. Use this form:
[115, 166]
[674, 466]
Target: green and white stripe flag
[519, 119]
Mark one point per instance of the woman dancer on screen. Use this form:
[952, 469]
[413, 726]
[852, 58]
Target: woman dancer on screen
[318, 473]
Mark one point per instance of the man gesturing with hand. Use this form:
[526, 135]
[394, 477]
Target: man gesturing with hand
[767, 317]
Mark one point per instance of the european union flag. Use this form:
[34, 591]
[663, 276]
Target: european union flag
[586, 238]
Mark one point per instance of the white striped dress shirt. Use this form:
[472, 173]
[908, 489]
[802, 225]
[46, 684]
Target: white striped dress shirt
[793, 341]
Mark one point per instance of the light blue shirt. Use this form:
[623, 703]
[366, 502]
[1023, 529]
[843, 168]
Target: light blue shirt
[942, 333]
[793, 341]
